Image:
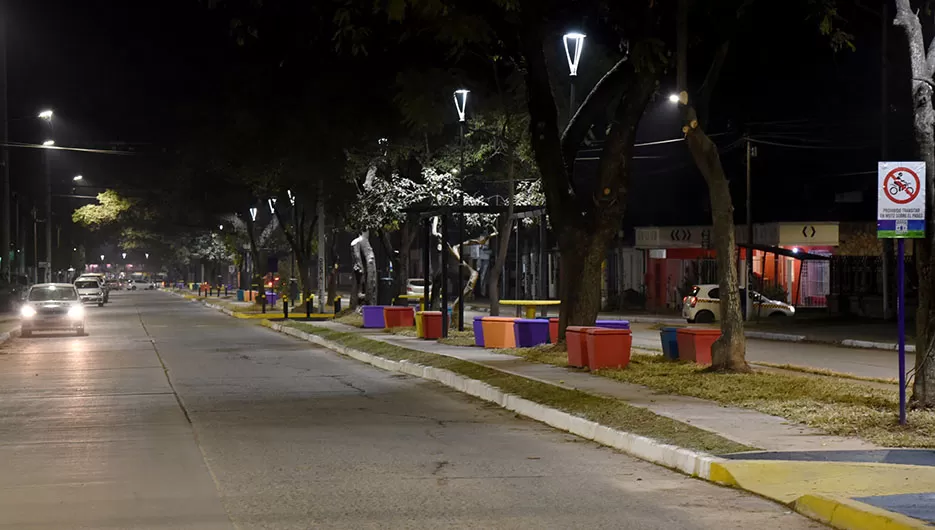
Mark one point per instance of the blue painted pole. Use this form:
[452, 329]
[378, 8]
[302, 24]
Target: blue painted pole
[901, 318]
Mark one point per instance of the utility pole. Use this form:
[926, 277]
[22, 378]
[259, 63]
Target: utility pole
[6, 261]
[48, 216]
[321, 249]
[749, 251]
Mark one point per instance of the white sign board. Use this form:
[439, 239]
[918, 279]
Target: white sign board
[901, 199]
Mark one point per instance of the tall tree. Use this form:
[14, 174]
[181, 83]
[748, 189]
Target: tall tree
[922, 66]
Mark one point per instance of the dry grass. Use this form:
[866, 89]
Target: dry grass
[403, 332]
[350, 318]
[545, 353]
[459, 338]
[827, 373]
[607, 411]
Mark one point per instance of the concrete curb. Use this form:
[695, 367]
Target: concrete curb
[865, 344]
[689, 462]
[781, 337]
[853, 515]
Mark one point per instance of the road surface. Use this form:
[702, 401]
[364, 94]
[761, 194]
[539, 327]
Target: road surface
[170, 415]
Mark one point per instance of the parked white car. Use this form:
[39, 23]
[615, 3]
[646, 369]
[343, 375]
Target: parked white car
[703, 305]
[416, 286]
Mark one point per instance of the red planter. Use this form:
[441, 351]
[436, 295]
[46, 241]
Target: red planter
[695, 344]
[432, 325]
[553, 330]
[608, 348]
[576, 340]
[399, 317]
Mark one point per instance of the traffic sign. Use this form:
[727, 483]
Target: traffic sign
[901, 200]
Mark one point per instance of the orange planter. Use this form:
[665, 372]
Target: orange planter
[399, 317]
[576, 340]
[553, 330]
[695, 344]
[432, 325]
[608, 348]
[498, 332]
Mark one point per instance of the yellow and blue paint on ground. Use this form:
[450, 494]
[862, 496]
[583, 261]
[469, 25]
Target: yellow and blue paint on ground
[860, 489]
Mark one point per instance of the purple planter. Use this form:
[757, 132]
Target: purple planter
[613, 324]
[373, 316]
[530, 332]
[271, 298]
[478, 331]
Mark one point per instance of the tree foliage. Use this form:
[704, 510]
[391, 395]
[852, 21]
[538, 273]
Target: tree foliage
[110, 207]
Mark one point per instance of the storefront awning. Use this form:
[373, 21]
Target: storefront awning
[804, 256]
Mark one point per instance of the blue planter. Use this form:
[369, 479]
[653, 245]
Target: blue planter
[670, 346]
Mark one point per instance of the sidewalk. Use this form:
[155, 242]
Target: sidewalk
[842, 481]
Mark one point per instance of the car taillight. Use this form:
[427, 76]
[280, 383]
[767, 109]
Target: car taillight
[692, 301]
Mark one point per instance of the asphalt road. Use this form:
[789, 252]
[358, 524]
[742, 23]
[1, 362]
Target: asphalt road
[170, 415]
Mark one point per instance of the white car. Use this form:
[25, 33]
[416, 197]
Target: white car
[416, 286]
[703, 305]
[141, 285]
[51, 306]
[90, 290]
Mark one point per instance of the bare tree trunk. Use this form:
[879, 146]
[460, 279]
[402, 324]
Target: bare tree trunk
[729, 351]
[370, 269]
[358, 267]
[503, 248]
[922, 65]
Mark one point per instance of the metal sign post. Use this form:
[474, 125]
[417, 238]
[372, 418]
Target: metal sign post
[901, 215]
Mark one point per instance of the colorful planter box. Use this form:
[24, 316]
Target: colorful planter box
[695, 344]
[613, 324]
[608, 348]
[431, 325]
[553, 330]
[373, 316]
[398, 317]
[271, 298]
[670, 344]
[529, 332]
[498, 332]
[479, 331]
[576, 339]
[420, 326]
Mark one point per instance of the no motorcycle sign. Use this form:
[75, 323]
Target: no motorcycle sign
[901, 200]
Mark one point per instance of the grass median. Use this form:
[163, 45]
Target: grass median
[606, 411]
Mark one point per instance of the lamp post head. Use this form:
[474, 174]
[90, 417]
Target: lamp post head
[46, 115]
[461, 102]
[77, 178]
[221, 227]
[147, 255]
[574, 43]
[48, 143]
[291, 197]
[253, 211]
[124, 254]
[102, 258]
[272, 205]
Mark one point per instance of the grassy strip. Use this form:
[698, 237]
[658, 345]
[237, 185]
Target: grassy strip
[606, 411]
[459, 338]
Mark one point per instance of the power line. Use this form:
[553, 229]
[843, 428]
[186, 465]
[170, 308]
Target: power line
[60, 148]
[792, 146]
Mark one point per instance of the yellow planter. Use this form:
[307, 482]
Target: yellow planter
[420, 327]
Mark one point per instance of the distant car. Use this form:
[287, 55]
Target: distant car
[416, 286]
[703, 305]
[142, 285]
[99, 277]
[51, 306]
[90, 290]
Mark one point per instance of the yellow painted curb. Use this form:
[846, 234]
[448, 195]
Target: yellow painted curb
[721, 475]
[849, 514]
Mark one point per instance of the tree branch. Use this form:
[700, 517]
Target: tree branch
[597, 101]
[703, 101]
[909, 21]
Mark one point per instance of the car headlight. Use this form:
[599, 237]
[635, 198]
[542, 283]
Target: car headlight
[27, 311]
[75, 311]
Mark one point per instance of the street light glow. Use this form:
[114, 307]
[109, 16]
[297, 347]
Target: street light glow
[291, 197]
[48, 142]
[220, 227]
[77, 178]
[253, 213]
[272, 205]
[673, 98]
[147, 255]
[573, 52]
[46, 115]
[124, 254]
[461, 102]
[102, 258]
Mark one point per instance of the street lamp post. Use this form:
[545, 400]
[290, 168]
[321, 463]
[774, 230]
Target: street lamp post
[574, 43]
[461, 106]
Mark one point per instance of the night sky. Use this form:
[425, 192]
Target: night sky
[125, 71]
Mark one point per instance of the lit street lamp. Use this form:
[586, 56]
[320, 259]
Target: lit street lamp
[272, 205]
[673, 98]
[48, 143]
[460, 96]
[253, 211]
[124, 254]
[46, 115]
[147, 255]
[221, 227]
[77, 178]
[102, 258]
[574, 44]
